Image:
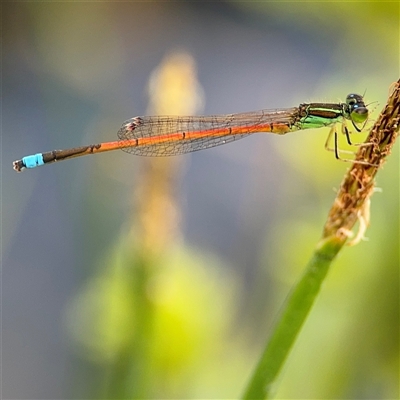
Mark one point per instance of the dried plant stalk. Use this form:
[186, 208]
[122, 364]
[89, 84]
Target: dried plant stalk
[352, 201]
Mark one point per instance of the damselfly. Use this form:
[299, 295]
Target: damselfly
[173, 135]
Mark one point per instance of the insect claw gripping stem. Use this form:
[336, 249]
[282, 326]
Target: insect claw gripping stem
[358, 184]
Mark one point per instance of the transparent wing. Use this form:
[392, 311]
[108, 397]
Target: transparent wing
[171, 135]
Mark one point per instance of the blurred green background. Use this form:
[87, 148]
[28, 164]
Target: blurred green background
[125, 277]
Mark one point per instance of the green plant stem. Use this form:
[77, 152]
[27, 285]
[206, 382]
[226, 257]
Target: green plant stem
[351, 205]
[295, 311]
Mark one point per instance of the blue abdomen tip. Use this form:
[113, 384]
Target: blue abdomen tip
[33, 161]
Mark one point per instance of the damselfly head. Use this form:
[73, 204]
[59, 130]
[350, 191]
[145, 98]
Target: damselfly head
[356, 108]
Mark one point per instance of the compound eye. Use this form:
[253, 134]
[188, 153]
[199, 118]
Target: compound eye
[352, 99]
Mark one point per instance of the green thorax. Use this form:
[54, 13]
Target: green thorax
[318, 115]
